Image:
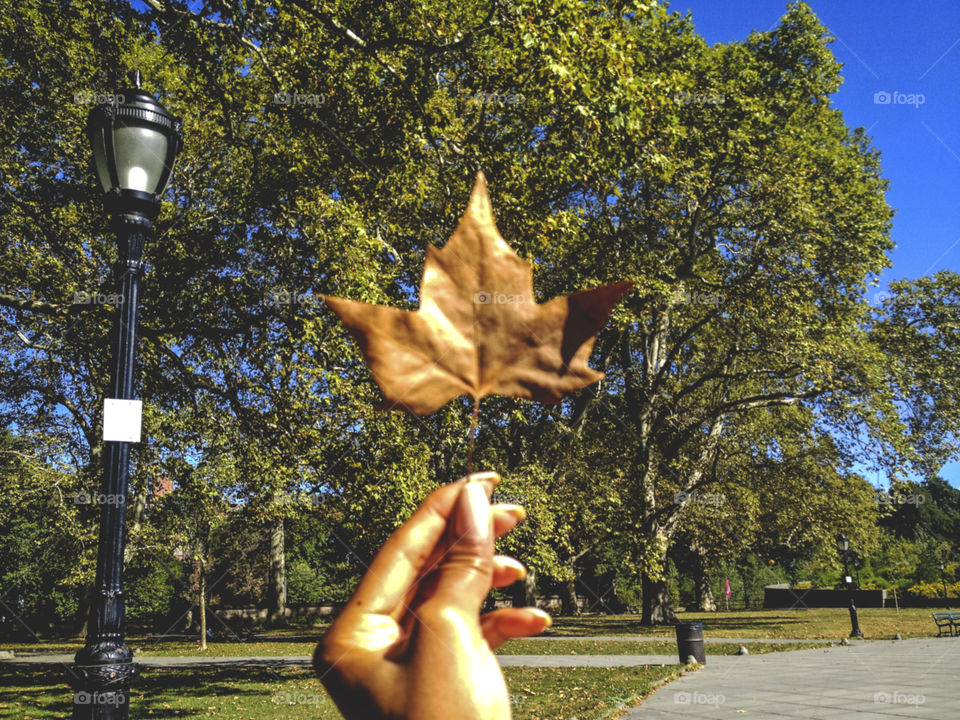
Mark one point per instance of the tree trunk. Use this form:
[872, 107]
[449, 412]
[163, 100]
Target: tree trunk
[277, 614]
[657, 609]
[705, 601]
[82, 615]
[568, 596]
[525, 591]
[133, 522]
[203, 607]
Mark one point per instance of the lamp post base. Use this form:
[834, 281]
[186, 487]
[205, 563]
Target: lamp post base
[854, 622]
[101, 677]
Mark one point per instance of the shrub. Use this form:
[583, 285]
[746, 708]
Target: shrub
[933, 590]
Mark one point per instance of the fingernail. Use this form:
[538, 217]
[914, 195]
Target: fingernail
[519, 512]
[473, 513]
[548, 619]
[515, 564]
[489, 481]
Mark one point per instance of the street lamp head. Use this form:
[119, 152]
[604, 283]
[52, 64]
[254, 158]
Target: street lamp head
[843, 544]
[135, 144]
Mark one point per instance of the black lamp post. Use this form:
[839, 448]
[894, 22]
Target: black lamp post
[943, 578]
[843, 545]
[135, 143]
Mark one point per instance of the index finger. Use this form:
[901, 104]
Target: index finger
[403, 557]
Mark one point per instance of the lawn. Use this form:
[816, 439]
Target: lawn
[514, 647]
[33, 693]
[817, 624]
[616, 647]
[260, 694]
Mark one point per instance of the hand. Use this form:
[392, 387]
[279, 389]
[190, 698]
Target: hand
[411, 644]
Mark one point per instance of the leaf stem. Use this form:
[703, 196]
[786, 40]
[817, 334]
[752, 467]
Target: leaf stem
[473, 434]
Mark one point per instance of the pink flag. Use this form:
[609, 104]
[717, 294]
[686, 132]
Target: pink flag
[729, 594]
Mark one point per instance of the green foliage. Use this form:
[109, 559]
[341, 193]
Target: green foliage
[933, 590]
[746, 365]
[151, 587]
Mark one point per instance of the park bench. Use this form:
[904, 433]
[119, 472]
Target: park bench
[947, 622]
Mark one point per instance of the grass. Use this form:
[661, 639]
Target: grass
[255, 694]
[616, 647]
[514, 647]
[41, 693]
[817, 624]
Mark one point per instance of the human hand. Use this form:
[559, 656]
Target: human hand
[411, 643]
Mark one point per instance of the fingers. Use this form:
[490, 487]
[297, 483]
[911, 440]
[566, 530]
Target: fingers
[402, 558]
[502, 625]
[507, 570]
[465, 572]
[506, 517]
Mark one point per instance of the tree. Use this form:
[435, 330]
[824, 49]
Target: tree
[752, 227]
[327, 146]
[916, 326]
[44, 520]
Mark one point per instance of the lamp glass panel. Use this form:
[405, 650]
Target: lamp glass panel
[100, 160]
[141, 154]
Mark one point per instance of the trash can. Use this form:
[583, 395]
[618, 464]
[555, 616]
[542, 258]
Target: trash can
[690, 641]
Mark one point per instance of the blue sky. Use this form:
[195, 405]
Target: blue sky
[887, 46]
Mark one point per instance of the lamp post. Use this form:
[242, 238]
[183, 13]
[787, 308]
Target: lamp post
[943, 579]
[843, 545]
[135, 143]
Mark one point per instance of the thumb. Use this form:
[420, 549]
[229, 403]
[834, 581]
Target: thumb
[464, 575]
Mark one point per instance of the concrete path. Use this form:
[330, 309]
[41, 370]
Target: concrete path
[593, 660]
[306, 661]
[881, 679]
[672, 639]
[163, 661]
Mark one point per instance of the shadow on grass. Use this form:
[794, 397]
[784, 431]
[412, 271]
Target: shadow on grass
[44, 692]
[716, 623]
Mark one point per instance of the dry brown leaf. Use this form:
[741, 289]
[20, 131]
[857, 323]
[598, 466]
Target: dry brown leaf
[478, 330]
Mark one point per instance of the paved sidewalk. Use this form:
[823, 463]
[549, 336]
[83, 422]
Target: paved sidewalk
[880, 679]
[305, 660]
[594, 660]
[165, 661]
[673, 639]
